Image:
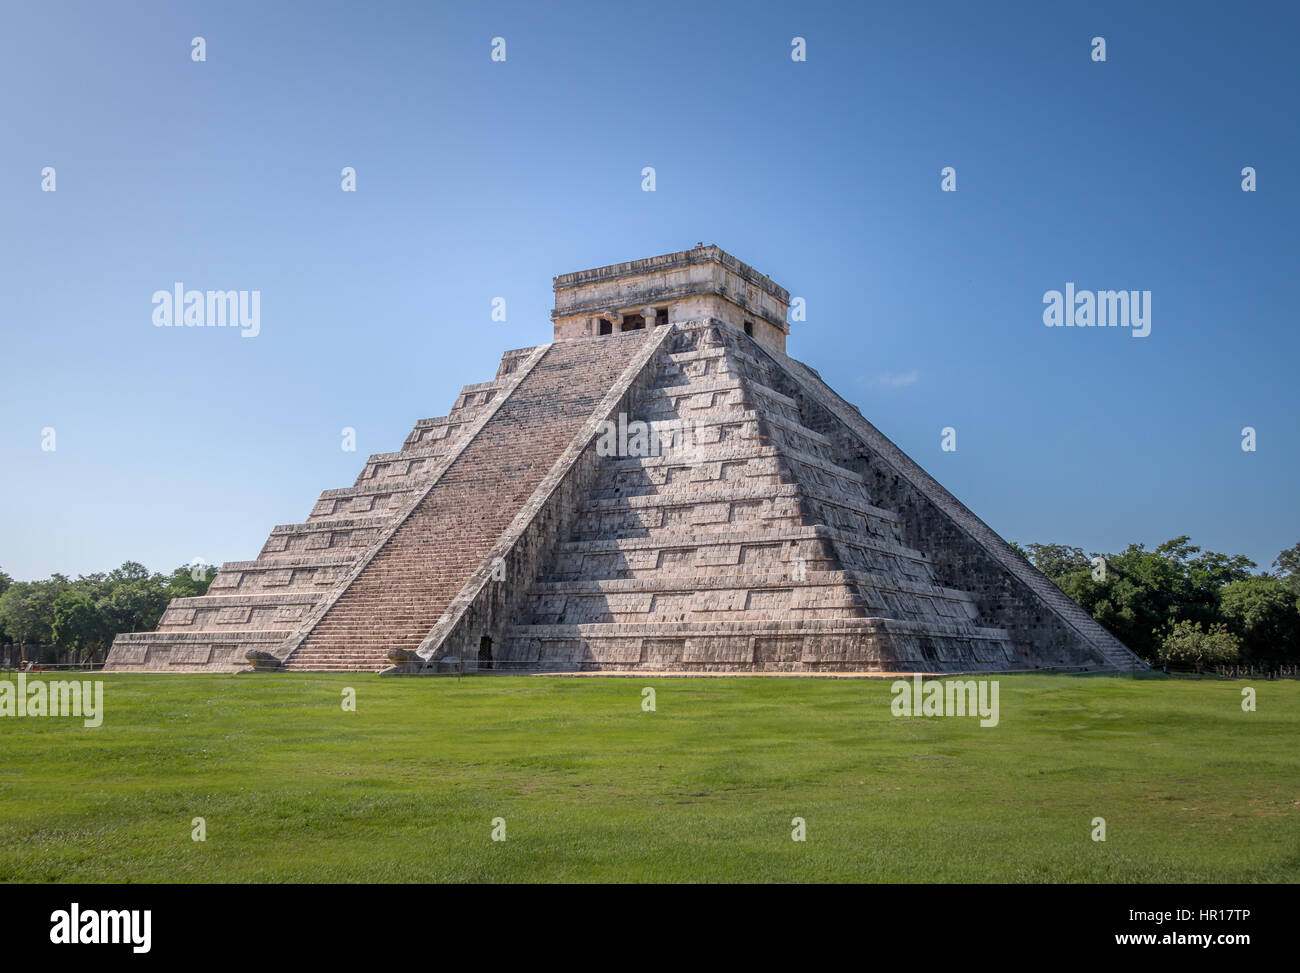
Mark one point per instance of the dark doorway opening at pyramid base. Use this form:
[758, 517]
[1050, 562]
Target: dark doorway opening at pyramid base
[485, 652]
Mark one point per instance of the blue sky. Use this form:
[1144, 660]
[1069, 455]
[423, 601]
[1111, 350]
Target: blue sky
[479, 179]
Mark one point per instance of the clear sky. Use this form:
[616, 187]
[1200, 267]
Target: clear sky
[479, 179]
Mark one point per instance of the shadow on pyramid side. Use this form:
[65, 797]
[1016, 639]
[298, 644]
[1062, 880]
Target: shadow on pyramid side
[651, 491]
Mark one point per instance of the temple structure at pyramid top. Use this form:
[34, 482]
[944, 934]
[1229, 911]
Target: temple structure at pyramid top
[659, 488]
[690, 285]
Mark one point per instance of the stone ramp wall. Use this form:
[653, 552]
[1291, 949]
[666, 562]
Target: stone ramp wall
[399, 594]
[491, 599]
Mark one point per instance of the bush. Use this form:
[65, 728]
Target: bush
[1187, 643]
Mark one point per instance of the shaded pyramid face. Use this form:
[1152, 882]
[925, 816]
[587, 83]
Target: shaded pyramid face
[678, 497]
[751, 540]
[742, 544]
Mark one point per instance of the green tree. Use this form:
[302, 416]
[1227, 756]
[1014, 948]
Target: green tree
[19, 613]
[6, 583]
[27, 608]
[129, 571]
[86, 614]
[78, 623]
[1288, 569]
[1141, 593]
[134, 604]
[183, 584]
[1058, 561]
[1188, 643]
[1262, 610]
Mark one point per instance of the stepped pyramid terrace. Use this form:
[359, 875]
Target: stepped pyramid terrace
[659, 488]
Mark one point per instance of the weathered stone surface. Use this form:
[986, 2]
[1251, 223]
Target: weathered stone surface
[690, 285]
[772, 529]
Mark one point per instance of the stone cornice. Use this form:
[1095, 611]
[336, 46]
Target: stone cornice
[672, 261]
[660, 294]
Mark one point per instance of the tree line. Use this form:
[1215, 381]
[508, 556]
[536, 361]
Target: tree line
[1182, 606]
[85, 614]
[1176, 604]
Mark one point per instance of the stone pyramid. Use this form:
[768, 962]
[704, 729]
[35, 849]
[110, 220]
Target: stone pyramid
[659, 488]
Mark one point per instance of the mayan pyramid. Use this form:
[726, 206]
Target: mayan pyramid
[660, 488]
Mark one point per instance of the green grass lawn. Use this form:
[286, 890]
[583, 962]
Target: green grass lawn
[405, 789]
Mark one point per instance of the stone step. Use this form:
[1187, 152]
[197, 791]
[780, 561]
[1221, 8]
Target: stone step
[794, 645]
[753, 580]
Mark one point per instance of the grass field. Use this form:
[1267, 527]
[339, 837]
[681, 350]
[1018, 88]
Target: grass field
[292, 788]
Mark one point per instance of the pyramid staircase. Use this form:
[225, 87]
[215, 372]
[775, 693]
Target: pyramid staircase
[395, 598]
